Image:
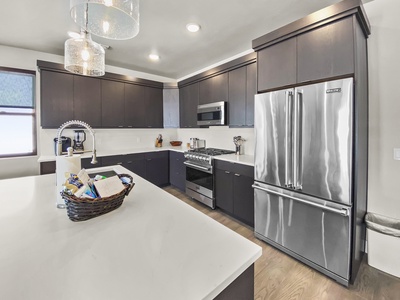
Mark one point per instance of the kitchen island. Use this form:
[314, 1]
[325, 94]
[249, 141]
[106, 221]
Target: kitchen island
[153, 247]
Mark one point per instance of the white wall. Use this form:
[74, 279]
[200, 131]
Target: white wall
[384, 107]
[219, 137]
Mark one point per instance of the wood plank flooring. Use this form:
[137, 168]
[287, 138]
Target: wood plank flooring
[278, 276]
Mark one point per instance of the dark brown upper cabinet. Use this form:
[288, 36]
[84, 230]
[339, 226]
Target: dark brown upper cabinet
[153, 98]
[87, 100]
[251, 91]
[318, 47]
[134, 106]
[57, 106]
[113, 104]
[326, 52]
[214, 89]
[188, 101]
[277, 65]
[237, 97]
[242, 88]
[110, 101]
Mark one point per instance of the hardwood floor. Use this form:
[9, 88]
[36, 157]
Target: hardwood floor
[278, 276]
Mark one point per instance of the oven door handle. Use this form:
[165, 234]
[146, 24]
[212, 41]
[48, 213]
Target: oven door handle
[201, 168]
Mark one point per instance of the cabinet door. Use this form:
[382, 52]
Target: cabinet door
[157, 167]
[325, 52]
[277, 65]
[188, 102]
[153, 98]
[214, 89]
[177, 170]
[134, 106]
[87, 100]
[112, 160]
[251, 91]
[56, 91]
[47, 167]
[136, 163]
[223, 190]
[112, 101]
[237, 97]
[243, 193]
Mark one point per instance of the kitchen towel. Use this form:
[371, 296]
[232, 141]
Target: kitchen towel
[65, 164]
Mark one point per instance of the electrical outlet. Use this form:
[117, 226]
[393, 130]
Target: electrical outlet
[138, 140]
[396, 153]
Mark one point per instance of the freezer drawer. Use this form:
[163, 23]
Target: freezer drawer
[314, 231]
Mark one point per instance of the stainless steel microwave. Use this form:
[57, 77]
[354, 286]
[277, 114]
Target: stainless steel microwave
[211, 113]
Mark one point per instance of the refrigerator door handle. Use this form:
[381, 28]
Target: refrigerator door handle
[288, 140]
[297, 138]
[342, 211]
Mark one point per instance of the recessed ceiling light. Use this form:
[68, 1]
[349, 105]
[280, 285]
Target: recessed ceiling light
[192, 27]
[154, 57]
[74, 34]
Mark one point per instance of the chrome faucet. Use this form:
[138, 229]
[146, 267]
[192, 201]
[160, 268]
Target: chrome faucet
[80, 123]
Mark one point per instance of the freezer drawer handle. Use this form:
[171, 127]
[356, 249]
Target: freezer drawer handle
[343, 211]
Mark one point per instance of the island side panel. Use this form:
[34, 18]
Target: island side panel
[241, 288]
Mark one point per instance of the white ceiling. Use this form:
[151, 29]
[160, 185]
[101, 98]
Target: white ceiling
[227, 29]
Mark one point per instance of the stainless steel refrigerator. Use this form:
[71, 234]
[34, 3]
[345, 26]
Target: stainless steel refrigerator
[304, 169]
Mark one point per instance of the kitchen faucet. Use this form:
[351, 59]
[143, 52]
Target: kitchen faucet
[80, 123]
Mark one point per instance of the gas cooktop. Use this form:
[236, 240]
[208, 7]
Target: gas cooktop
[211, 151]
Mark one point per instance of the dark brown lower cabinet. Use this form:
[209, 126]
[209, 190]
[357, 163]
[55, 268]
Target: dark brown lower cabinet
[177, 170]
[152, 166]
[157, 167]
[49, 167]
[233, 189]
[133, 162]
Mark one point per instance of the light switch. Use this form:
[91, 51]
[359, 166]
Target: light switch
[396, 153]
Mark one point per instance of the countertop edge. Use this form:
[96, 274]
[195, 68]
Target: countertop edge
[240, 159]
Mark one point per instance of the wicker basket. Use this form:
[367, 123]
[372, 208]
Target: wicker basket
[81, 209]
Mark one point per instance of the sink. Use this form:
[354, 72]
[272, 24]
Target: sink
[104, 173]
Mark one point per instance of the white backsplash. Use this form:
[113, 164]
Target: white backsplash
[219, 137]
[109, 139]
[126, 139]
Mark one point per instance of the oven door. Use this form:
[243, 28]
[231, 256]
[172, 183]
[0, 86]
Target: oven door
[200, 183]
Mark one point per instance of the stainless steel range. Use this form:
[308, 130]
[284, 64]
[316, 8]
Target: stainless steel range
[200, 174]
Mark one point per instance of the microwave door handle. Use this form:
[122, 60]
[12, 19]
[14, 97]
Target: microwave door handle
[288, 139]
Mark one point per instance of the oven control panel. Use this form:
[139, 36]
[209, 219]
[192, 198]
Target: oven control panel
[198, 157]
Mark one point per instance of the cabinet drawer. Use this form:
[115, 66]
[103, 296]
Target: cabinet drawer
[235, 168]
[153, 155]
[135, 157]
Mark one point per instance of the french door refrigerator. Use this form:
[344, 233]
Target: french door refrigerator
[304, 174]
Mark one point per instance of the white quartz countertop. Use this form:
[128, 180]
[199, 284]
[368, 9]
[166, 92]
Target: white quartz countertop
[240, 159]
[100, 153]
[153, 247]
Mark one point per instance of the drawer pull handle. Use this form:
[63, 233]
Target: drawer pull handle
[238, 175]
[227, 172]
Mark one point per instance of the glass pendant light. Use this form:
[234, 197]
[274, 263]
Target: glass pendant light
[83, 56]
[111, 19]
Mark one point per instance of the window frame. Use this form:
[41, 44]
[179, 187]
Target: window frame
[33, 113]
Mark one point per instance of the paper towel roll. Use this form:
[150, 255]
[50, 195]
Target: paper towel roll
[65, 164]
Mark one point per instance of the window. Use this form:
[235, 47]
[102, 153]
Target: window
[17, 113]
